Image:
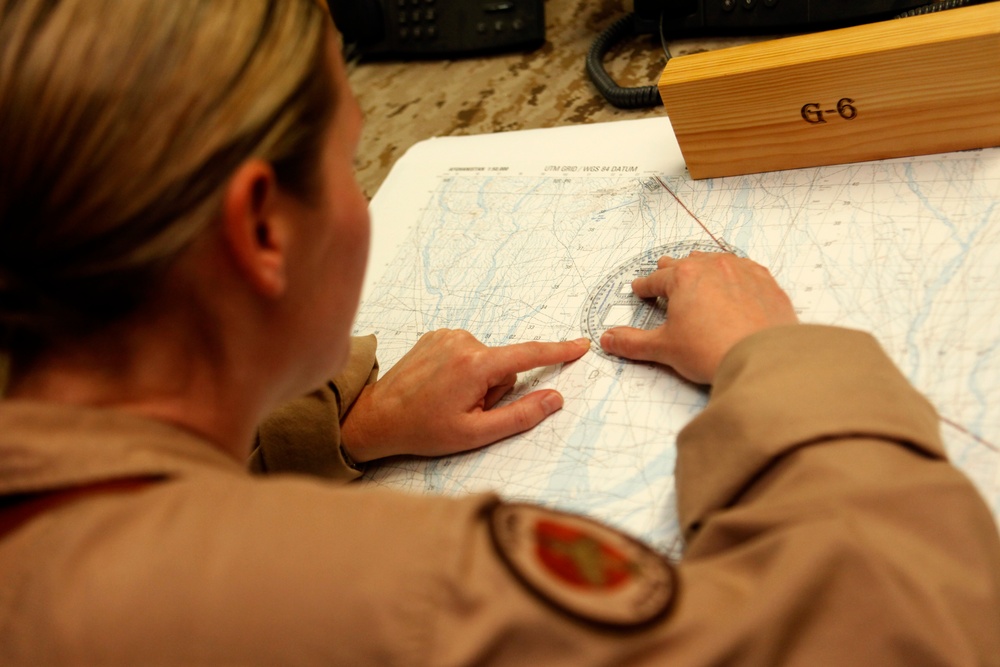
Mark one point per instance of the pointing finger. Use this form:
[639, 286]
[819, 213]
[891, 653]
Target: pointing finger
[526, 356]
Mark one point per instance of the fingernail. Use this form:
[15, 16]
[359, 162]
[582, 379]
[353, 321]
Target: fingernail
[552, 402]
[607, 340]
[583, 342]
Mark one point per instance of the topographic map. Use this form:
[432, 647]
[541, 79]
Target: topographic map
[908, 249]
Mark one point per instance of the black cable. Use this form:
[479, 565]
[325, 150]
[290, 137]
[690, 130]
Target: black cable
[663, 42]
[623, 98]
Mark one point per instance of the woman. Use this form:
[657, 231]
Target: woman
[182, 245]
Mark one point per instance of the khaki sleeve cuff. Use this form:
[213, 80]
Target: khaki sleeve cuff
[303, 436]
[785, 388]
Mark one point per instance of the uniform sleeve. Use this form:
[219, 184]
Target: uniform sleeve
[824, 525]
[823, 520]
[303, 436]
[787, 389]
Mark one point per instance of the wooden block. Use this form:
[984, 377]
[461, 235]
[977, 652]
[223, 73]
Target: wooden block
[924, 84]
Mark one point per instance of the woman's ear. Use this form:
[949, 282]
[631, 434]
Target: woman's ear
[254, 229]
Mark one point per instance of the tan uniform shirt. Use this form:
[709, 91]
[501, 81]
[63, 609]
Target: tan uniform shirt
[823, 524]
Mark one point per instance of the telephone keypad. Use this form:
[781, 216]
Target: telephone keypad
[431, 27]
[417, 24]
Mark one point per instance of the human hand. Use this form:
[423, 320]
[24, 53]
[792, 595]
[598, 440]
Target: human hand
[715, 301]
[437, 399]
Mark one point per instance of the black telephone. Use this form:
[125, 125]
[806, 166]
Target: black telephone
[673, 19]
[406, 29]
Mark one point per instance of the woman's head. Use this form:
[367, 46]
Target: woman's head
[121, 122]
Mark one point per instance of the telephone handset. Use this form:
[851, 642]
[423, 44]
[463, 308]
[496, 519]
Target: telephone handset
[673, 19]
[408, 29]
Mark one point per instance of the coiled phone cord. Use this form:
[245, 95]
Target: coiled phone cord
[623, 98]
[939, 6]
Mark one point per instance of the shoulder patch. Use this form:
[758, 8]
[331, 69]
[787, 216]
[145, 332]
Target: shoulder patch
[581, 566]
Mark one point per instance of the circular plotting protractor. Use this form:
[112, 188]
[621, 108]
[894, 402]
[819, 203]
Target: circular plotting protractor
[613, 304]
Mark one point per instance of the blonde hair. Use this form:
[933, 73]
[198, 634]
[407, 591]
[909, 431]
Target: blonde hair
[121, 122]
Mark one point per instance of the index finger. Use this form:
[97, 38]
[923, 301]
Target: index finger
[657, 283]
[526, 356]
[664, 261]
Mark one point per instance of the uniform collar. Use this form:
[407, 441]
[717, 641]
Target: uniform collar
[45, 446]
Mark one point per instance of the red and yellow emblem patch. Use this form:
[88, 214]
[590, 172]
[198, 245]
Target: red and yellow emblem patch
[583, 567]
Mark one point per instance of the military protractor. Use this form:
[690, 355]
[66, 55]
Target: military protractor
[613, 304]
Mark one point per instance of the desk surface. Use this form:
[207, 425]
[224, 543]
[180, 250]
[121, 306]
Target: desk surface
[407, 102]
